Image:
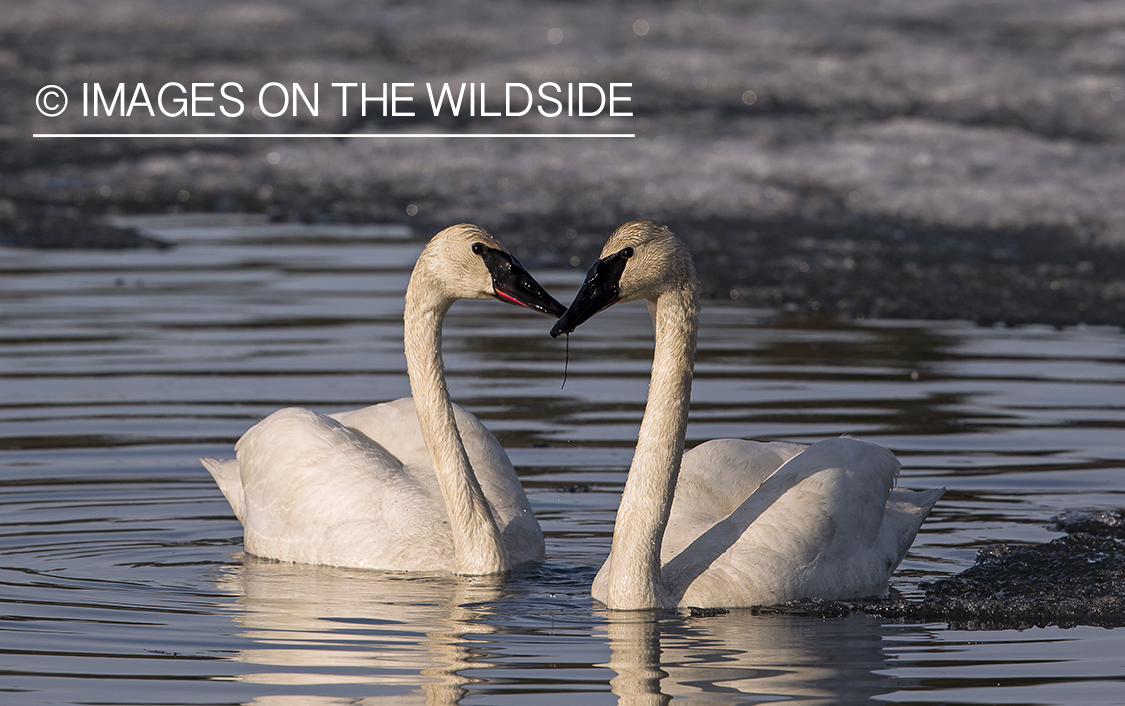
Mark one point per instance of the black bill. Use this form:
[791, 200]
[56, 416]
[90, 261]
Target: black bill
[512, 283]
[600, 291]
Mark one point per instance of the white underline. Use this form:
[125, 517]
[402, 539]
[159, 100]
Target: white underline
[348, 135]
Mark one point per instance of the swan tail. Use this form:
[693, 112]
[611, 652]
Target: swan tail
[227, 477]
[906, 511]
[929, 498]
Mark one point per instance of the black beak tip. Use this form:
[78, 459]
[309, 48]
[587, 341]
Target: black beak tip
[554, 308]
[600, 291]
[560, 328]
[545, 304]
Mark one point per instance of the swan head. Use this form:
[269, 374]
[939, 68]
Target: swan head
[641, 260]
[466, 262]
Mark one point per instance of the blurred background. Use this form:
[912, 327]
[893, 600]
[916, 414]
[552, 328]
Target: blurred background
[897, 159]
[837, 169]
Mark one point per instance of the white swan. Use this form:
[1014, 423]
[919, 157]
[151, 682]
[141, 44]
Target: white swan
[417, 484]
[739, 523]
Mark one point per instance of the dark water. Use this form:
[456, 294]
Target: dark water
[122, 579]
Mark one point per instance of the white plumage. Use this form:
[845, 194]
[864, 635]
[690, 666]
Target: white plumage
[370, 488]
[358, 489]
[731, 522]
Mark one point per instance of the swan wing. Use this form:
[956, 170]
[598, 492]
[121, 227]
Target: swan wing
[394, 426]
[823, 525]
[317, 492]
[715, 478]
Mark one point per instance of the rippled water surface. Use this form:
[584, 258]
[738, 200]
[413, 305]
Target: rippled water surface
[122, 579]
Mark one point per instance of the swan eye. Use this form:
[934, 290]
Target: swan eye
[626, 253]
[478, 248]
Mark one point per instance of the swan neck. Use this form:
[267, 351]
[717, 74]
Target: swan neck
[634, 562]
[477, 543]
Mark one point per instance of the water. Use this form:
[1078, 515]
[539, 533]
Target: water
[123, 580]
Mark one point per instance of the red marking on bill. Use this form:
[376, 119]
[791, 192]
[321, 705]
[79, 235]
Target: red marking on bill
[509, 298]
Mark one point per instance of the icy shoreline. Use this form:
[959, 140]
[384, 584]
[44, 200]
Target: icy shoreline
[951, 160]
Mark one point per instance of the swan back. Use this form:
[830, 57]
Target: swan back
[715, 478]
[394, 426]
[317, 493]
[825, 524]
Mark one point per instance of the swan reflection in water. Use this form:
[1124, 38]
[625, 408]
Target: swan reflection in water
[739, 658]
[405, 636]
[325, 635]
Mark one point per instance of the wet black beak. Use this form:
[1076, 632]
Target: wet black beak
[513, 284]
[599, 291]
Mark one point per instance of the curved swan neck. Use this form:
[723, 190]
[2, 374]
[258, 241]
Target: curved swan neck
[634, 561]
[477, 541]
